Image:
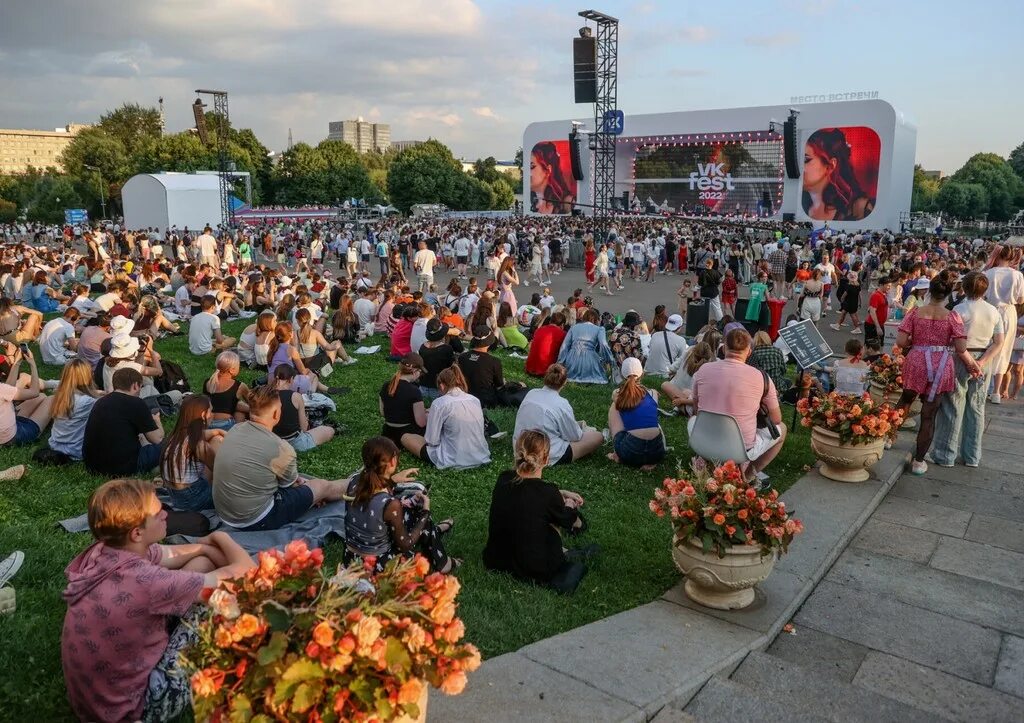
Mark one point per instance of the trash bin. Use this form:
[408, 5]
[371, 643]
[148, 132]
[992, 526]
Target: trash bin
[776, 306]
[696, 317]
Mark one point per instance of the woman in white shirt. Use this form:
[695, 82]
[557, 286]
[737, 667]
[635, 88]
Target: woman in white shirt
[72, 403]
[666, 348]
[1005, 291]
[547, 411]
[679, 389]
[455, 427]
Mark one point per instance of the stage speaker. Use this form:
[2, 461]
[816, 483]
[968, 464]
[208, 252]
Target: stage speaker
[625, 200]
[789, 147]
[696, 317]
[766, 202]
[584, 64]
[200, 117]
[789, 217]
[574, 156]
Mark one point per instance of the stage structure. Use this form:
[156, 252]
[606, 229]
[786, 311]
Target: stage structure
[602, 138]
[856, 165]
[224, 164]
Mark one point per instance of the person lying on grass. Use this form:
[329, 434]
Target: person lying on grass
[384, 524]
[123, 593]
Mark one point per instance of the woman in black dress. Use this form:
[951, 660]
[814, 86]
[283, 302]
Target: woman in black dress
[522, 538]
[849, 299]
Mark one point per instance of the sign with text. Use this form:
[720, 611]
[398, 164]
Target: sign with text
[75, 216]
[805, 343]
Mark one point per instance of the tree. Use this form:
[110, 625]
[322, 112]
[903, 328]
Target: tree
[1016, 161]
[962, 200]
[925, 191]
[504, 194]
[1002, 188]
[179, 152]
[8, 211]
[486, 169]
[519, 160]
[427, 173]
[132, 125]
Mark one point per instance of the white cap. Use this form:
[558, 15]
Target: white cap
[631, 367]
[674, 322]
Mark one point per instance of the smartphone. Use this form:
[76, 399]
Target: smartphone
[24, 348]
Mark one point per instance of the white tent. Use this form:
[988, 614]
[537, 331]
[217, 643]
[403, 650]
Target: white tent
[165, 200]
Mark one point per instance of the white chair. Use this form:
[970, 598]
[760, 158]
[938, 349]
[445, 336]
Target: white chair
[717, 438]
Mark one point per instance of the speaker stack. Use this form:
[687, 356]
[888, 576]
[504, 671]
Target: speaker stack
[574, 156]
[789, 147]
[584, 62]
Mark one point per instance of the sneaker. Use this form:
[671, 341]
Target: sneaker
[13, 473]
[918, 468]
[835, 326]
[350, 361]
[856, 330]
[246, 314]
[10, 565]
[995, 398]
[972, 465]
[606, 434]
[499, 435]
[930, 458]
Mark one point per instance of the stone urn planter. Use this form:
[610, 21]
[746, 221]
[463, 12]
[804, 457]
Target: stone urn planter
[844, 462]
[880, 396]
[725, 583]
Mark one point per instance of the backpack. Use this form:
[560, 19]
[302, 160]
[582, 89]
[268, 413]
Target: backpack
[172, 379]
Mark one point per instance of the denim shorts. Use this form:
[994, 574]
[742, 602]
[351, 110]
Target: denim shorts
[290, 503]
[28, 431]
[224, 424]
[636, 452]
[302, 442]
[194, 498]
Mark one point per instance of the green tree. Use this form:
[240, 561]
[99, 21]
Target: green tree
[132, 125]
[1003, 189]
[925, 191]
[427, 173]
[504, 194]
[1016, 161]
[486, 169]
[175, 153]
[519, 160]
[8, 211]
[962, 200]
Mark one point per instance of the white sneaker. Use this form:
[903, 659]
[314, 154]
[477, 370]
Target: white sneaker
[930, 458]
[918, 468]
[12, 473]
[995, 398]
[856, 331]
[835, 326]
[10, 565]
[350, 361]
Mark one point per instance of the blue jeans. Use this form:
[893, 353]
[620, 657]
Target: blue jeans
[194, 498]
[149, 457]
[960, 421]
[636, 452]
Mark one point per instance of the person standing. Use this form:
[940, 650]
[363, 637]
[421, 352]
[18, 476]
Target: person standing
[423, 263]
[878, 311]
[207, 246]
[1005, 292]
[709, 279]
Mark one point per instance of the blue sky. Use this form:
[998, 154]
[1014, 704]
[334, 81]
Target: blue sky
[474, 73]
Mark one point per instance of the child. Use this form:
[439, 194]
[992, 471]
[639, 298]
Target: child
[730, 291]
[123, 590]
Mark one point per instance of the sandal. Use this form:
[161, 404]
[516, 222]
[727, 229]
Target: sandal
[445, 526]
[454, 563]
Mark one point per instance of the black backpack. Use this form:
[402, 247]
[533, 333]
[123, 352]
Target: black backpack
[172, 379]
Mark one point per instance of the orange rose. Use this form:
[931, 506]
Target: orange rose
[207, 682]
[454, 683]
[367, 631]
[247, 625]
[719, 519]
[742, 514]
[222, 637]
[323, 634]
[410, 691]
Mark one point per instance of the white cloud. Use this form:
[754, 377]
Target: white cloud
[484, 111]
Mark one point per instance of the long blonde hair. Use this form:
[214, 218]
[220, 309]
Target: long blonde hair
[76, 377]
[228, 364]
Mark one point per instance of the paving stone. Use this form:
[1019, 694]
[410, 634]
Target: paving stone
[647, 655]
[725, 701]
[959, 497]
[936, 692]
[923, 516]
[1003, 460]
[996, 531]
[808, 689]
[673, 715]
[947, 593]
[887, 538]
[825, 653]
[980, 561]
[885, 624]
[773, 597]
[991, 442]
[514, 688]
[982, 477]
[1010, 671]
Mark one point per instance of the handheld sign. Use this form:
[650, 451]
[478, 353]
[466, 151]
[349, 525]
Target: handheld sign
[805, 343]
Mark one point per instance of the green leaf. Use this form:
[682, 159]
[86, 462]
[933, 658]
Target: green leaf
[277, 615]
[306, 696]
[302, 670]
[284, 690]
[262, 718]
[241, 709]
[273, 650]
[397, 656]
[362, 689]
[707, 541]
[384, 709]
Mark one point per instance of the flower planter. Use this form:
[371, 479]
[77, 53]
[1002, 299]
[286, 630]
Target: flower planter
[725, 583]
[844, 462]
[880, 396]
[421, 704]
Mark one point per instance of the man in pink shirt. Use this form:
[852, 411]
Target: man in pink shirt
[119, 662]
[733, 387]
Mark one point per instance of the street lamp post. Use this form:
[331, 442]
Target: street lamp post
[99, 182]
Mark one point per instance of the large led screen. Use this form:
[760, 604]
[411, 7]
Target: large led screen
[552, 187]
[840, 174]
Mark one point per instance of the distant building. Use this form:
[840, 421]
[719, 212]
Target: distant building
[20, 149]
[933, 175]
[405, 145]
[509, 168]
[361, 135]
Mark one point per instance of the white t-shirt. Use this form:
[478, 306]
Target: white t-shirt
[201, 332]
[365, 310]
[52, 339]
[666, 348]
[85, 305]
[424, 261]
[462, 246]
[108, 301]
[207, 245]
[981, 322]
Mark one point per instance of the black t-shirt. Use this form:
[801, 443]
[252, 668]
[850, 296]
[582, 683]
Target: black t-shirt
[484, 376]
[709, 280]
[520, 536]
[436, 359]
[111, 443]
[398, 408]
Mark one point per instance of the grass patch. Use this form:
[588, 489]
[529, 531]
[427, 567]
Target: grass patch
[501, 614]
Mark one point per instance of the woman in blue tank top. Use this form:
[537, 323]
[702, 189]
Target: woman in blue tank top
[633, 421]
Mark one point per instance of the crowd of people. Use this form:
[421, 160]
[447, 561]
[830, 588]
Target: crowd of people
[98, 302]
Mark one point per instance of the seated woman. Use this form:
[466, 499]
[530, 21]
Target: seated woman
[25, 423]
[72, 402]
[546, 344]
[186, 461]
[546, 410]
[508, 327]
[770, 360]
[401, 335]
[455, 427]
[850, 375]
[259, 341]
[282, 351]
[633, 421]
[437, 354]
[585, 353]
[293, 427]
[401, 402]
[150, 319]
[316, 352]
[345, 324]
[227, 394]
[257, 297]
[13, 327]
[386, 526]
[39, 296]
[527, 517]
[679, 389]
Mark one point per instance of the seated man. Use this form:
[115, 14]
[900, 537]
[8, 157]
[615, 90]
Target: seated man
[733, 387]
[111, 443]
[482, 370]
[204, 333]
[123, 590]
[548, 411]
[256, 484]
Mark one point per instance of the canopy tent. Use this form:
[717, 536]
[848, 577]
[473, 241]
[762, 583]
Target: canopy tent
[167, 200]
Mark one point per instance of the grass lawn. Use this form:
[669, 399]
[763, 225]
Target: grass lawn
[501, 614]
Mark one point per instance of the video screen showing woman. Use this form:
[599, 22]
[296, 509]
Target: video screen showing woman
[552, 187]
[840, 177]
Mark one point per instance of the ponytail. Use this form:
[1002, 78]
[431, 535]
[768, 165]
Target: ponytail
[533, 449]
[393, 386]
[631, 393]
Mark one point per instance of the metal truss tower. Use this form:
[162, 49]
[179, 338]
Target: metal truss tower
[224, 165]
[603, 139]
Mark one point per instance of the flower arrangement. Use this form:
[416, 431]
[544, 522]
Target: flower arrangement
[857, 420]
[887, 372]
[287, 642]
[720, 509]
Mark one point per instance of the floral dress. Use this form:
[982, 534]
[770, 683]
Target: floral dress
[928, 367]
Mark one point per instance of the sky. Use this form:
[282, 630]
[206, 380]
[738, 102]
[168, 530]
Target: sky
[474, 73]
